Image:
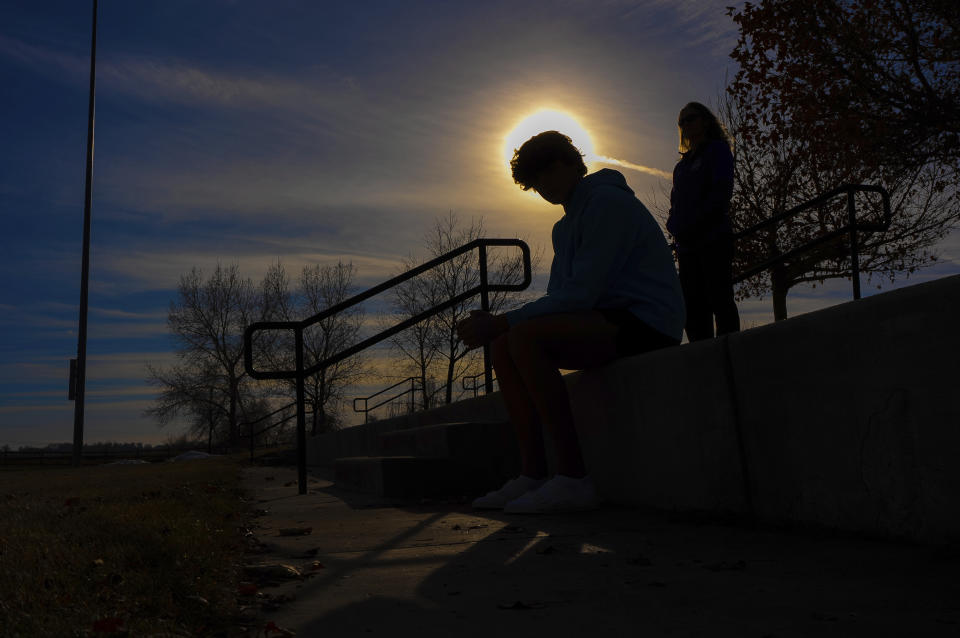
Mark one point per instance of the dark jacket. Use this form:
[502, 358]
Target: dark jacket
[700, 199]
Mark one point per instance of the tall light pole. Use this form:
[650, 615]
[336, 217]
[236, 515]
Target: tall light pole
[81, 368]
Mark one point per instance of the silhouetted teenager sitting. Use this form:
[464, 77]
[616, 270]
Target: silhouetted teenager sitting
[613, 292]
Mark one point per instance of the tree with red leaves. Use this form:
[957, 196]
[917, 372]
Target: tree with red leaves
[828, 92]
[885, 73]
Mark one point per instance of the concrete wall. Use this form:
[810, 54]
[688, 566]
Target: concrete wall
[850, 415]
[847, 418]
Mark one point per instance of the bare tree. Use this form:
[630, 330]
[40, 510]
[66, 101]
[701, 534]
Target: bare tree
[431, 348]
[208, 383]
[318, 288]
[191, 393]
[417, 348]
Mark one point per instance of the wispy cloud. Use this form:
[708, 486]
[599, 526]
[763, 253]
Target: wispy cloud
[114, 313]
[693, 24]
[37, 370]
[38, 407]
[155, 80]
[70, 67]
[121, 269]
[126, 367]
[656, 172]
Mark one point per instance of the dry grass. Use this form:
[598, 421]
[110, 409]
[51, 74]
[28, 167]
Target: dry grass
[121, 549]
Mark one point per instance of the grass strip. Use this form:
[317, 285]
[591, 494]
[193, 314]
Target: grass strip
[121, 549]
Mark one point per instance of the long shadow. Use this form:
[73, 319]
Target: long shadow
[627, 572]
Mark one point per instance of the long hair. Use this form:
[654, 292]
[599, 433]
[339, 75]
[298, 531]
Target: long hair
[715, 128]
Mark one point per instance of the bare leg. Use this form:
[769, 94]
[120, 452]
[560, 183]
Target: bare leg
[523, 414]
[538, 349]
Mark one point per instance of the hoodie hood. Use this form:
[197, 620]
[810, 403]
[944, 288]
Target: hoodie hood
[605, 177]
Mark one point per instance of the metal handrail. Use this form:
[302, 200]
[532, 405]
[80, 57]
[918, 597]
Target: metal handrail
[851, 227]
[300, 373]
[253, 435]
[366, 406]
[473, 386]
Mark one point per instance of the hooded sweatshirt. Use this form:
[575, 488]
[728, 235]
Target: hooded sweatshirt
[609, 252]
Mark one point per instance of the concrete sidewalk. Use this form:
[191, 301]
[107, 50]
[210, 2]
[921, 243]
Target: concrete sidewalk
[438, 569]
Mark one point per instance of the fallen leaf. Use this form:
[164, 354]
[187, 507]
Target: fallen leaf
[641, 561]
[520, 605]
[107, 625]
[272, 628]
[724, 566]
[588, 548]
[273, 571]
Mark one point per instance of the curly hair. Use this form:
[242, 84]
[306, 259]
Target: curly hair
[715, 128]
[540, 152]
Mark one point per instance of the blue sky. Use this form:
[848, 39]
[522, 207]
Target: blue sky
[245, 132]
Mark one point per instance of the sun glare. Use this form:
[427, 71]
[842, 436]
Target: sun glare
[548, 120]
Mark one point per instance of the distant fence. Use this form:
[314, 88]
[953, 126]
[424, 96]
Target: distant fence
[93, 457]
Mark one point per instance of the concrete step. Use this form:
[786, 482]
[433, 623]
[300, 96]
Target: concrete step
[399, 476]
[450, 460]
[411, 477]
[486, 444]
[277, 457]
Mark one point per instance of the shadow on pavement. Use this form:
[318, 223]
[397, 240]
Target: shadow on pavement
[442, 569]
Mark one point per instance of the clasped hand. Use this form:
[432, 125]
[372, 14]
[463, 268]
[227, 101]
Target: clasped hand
[480, 328]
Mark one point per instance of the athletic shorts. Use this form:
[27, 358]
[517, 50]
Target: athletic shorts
[634, 335]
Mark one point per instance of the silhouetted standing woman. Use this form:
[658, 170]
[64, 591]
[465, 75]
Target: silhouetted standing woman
[700, 223]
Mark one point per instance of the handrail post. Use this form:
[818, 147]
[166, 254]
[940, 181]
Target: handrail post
[485, 306]
[301, 414]
[413, 395]
[854, 248]
[301, 371]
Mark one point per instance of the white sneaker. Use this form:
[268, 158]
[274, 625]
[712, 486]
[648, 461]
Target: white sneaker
[559, 494]
[514, 488]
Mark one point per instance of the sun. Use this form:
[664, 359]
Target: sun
[548, 120]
